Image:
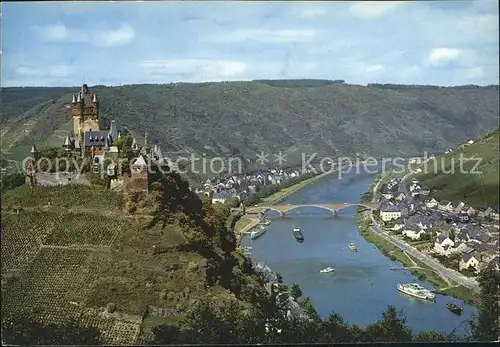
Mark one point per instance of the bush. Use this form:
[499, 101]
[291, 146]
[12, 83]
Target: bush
[111, 307]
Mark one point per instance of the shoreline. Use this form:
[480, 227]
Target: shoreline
[442, 284]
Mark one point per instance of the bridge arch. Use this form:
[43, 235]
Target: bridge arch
[293, 207]
[368, 206]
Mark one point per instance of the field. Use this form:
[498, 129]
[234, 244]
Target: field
[74, 196]
[79, 256]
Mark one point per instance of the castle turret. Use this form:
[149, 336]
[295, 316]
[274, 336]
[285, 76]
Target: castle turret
[135, 146]
[67, 145]
[34, 152]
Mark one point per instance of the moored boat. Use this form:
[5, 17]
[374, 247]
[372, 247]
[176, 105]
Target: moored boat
[454, 308]
[298, 234]
[353, 247]
[265, 222]
[258, 233]
[328, 269]
[416, 290]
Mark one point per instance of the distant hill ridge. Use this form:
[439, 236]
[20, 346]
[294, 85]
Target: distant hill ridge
[244, 118]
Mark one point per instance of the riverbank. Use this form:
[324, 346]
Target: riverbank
[442, 284]
[282, 194]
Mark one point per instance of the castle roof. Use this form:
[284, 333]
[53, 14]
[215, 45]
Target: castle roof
[67, 141]
[113, 132]
[86, 96]
[33, 149]
[95, 138]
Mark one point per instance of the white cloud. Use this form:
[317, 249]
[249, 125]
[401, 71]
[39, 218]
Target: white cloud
[442, 56]
[56, 32]
[118, 37]
[373, 9]
[107, 38]
[268, 35]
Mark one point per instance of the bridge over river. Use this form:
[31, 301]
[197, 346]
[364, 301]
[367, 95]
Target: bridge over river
[332, 207]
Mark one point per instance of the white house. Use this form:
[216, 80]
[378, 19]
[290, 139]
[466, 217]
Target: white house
[413, 233]
[443, 244]
[457, 205]
[432, 203]
[398, 226]
[464, 217]
[414, 186]
[468, 261]
[445, 205]
[494, 215]
[389, 212]
[400, 197]
[387, 195]
[469, 210]
[459, 247]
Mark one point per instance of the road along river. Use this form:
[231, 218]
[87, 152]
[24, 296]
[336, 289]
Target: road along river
[363, 284]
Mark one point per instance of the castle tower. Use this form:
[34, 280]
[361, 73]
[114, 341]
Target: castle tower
[30, 177]
[85, 112]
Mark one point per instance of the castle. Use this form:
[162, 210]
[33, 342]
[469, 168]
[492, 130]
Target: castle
[88, 140]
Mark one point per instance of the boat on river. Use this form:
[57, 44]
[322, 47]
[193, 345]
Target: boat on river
[297, 233]
[258, 233]
[454, 308]
[326, 270]
[353, 247]
[265, 222]
[416, 290]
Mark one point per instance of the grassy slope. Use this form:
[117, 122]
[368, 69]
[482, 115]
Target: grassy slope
[469, 187]
[243, 118]
[75, 262]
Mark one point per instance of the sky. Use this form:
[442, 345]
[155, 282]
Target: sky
[117, 43]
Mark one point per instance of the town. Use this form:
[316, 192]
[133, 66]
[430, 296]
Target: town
[456, 234]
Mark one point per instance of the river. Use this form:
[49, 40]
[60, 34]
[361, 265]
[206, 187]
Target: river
[363, 285]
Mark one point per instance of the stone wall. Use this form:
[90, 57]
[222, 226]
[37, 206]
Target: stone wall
[59, 178]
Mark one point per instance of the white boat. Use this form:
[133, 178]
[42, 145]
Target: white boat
[258, 233]
[328, 269]
[416, 290]
[265, 222]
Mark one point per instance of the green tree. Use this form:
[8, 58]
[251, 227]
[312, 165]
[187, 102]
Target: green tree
[390, 328]
[486, 327]
[295, 291]
[11, 181]
[307, 305]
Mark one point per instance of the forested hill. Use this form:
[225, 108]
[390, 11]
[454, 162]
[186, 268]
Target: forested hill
[328, 117]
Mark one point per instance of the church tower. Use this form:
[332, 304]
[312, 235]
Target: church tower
[85, 112]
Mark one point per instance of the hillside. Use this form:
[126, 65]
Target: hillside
[85, 258]
[243, 118]
[448, 182]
